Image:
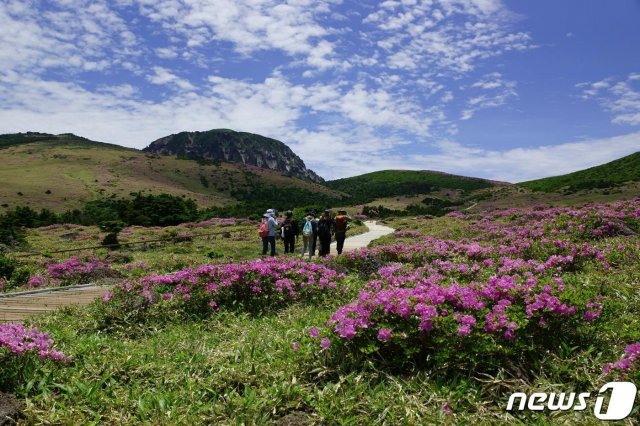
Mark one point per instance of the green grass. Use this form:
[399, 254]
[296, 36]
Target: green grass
[241, 368]
[626, 169]
[236, 368]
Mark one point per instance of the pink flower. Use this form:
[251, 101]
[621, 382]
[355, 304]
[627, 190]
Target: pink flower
[314, 332]
[384, 334]
[296, 346]
[325, 343]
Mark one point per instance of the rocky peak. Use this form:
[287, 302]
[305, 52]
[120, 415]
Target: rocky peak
[235, 147]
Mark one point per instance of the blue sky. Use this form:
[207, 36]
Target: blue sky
[509, 90]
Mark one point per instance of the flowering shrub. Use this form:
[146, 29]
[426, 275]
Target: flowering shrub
[253, 284]
[20, 349]
[17, 340]
[497, 290]
[426, 313]
[629, 361]
[72, 271]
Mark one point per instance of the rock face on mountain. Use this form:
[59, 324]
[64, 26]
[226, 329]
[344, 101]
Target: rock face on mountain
[235, 147]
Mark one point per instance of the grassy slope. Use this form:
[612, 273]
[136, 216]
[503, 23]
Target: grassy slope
[390, 183]
[76, 170]
[626, 169]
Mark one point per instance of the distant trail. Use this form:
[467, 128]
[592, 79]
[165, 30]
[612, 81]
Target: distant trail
[19, 306]
[362, 240]
[471, 206]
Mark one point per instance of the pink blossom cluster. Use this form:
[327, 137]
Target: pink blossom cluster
[135, 265]
[19, 341]
[71, 271]
[628, 361]
[360, 216]
[270, 280]
[502, 304]
[503, 278]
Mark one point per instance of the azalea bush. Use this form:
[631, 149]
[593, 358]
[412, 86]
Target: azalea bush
[406, 316]
[249, 285]
[508, 287]
[630, 361]
[22, 350]
[72, 271]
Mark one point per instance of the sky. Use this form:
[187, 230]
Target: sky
[508, 90]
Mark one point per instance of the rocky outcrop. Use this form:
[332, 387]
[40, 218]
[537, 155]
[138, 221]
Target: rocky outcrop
[235, 147]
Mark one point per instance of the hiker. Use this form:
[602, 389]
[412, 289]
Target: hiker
[341, 226]
[268, 232]
[326, 227]
[309, 231]
[289, 232]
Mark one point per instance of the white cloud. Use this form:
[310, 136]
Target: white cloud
[250, 25]
[619, 98]
[163, 76]
[496, 91]
[76, 35]
[513, 165]
[450, 35]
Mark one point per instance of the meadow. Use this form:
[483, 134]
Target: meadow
[437, 323]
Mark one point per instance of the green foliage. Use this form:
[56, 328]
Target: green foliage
[626, 169]
[389, 183]
[7, 266]
[204, 181]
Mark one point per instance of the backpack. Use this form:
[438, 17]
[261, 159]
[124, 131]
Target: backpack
[287, 229]
[264, 228]
[307, 230]
[341, 223]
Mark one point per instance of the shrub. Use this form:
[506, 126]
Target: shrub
[251, 285]
[7, 266]
[21, 350]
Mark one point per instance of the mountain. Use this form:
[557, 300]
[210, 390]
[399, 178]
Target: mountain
[609, 175]
[65, 171]
[235, 147]
[390, 183]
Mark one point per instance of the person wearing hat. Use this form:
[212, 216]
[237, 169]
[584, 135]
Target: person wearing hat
[341, 226]
[289, 232]
[326, 228]
[309, 233]
[268, 232]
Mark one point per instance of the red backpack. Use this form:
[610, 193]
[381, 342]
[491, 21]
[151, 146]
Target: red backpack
[264, 228]
[341, 223]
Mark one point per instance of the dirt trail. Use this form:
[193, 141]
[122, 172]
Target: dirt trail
[359, 241]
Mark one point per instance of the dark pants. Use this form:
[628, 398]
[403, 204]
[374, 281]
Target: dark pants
[325, 243]
[340, 236]
[314, 240]
[289, 244]
[266, 241]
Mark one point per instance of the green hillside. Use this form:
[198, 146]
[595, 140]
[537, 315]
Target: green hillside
[389, 183]
[615, 173]
[65, 171]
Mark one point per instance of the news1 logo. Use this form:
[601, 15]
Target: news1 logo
[621, 400]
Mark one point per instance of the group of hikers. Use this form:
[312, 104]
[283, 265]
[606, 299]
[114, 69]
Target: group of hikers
[315, 232]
